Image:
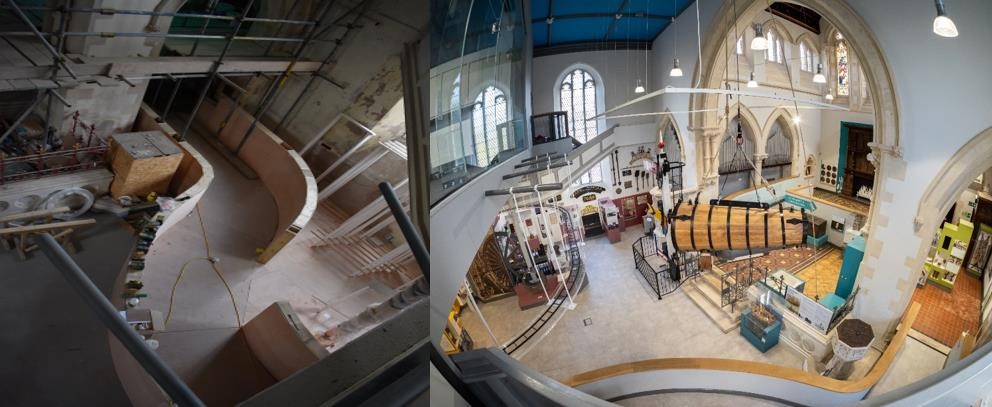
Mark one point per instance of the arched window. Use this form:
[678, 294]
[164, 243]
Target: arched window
[577, 94]
[740, 45]
[778, 164]
[489, 117]
[735, 171]
[843, 73]
[672, 146]
[774, 53]
[807, 57]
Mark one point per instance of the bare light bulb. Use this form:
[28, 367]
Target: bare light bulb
[943, 25]
[676, 72]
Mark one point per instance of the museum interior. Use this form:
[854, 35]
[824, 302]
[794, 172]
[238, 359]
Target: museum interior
[711, 202]
[194, 206]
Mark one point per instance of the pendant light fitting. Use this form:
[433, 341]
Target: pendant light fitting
[819, 78]
[942, 24]
[759, 43]
[752, 83]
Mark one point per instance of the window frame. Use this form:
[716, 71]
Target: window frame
[488, 123]
[599, 96]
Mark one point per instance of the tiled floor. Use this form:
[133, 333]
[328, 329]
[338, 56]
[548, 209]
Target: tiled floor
[945, 314]
[821, 277]
[776, 259]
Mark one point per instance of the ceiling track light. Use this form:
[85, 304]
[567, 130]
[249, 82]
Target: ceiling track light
[819, 78]
[752, 83]
[942, 24]
[759, 43]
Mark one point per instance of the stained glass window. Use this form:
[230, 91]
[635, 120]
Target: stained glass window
[577, 95]
[843, 75]
[489, 115]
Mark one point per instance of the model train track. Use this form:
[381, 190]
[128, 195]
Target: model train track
[575, 279]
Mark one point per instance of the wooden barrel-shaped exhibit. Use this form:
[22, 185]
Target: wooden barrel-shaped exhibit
[719, 227]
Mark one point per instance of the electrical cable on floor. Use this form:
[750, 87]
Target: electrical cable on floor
[213, 264]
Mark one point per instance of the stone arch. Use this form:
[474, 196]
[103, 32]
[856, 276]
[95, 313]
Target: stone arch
[863, 44]
[786, 119]
[780, 30]
[669, 120]
[838, 14]
[948, 184]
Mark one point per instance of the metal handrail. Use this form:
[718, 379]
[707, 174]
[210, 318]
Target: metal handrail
[110, 317]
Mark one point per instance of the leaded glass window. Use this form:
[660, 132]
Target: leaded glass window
[489, 116]
[843, 73]
[577, 94]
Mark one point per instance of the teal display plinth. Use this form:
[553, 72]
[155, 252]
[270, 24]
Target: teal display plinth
[854, 252]
[762, 339]
[816, 241]
[832, 301]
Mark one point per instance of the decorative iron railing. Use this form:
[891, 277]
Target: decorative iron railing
[669, 273]
[734, 284]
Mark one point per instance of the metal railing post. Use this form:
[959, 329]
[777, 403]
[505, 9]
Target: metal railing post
[110, 317]
[215, 68]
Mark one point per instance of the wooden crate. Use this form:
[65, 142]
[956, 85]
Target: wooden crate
[143, 162]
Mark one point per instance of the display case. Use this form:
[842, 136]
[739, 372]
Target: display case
[947, 254]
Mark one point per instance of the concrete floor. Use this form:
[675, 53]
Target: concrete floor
[202, 340]
[55, 351]
[914, 362]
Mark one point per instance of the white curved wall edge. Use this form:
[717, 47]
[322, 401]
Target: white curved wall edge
[667, 380]
[964, 383]
[192, 165]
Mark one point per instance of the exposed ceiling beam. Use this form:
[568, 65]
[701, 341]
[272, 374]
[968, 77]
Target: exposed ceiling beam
[613, 23]
[591, 46]
[600, 15]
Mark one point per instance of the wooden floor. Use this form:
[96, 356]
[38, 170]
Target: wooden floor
[821, 276]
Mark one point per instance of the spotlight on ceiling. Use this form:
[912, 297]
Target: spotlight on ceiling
[639, 88]
[676, 72]
[943, 25]
[819, 78]
[752, 83]
[759, 43]
[797, 120]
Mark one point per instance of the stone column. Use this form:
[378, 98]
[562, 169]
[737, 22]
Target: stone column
[759, 160]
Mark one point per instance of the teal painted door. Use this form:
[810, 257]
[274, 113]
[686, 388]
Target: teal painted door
[854, 252]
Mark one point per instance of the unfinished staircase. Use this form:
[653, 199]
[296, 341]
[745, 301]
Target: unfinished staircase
[360, 253]
[706, 293]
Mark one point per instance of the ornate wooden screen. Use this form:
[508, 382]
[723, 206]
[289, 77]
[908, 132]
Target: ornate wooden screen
[488, 274]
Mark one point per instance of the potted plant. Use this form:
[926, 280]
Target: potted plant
[132, 286]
